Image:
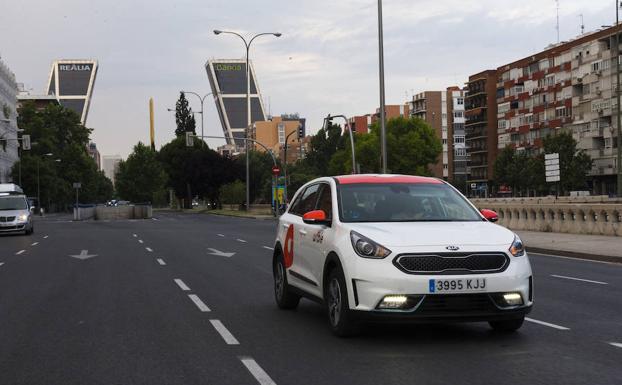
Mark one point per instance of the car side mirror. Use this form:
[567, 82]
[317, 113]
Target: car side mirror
[490, 215]
[315, 217]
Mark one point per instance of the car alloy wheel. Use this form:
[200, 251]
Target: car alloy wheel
[279, 281]
[334, 302]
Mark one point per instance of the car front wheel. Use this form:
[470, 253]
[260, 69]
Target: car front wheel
[285, 298]
[511, 325]
[340, 318]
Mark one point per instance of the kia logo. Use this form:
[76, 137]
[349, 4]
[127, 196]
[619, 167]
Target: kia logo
[452, 248]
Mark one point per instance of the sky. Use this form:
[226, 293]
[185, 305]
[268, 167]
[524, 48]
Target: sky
[326, 61]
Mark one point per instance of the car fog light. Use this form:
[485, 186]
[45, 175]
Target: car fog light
[513, 299]
[393, 302]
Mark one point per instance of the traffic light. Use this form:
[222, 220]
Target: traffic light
[301, 131]
[25, 142]
[328, 121]
[189, 139]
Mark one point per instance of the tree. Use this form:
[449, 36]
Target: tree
[58, 131]
[141, 176]
[233, 193]
[574, 164]
[184, 118]
[260, 164]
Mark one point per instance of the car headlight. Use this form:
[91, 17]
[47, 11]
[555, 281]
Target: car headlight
[23, 217]
[517, 248]
[367, 248]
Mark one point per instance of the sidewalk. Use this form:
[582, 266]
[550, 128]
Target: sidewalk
[594, 247]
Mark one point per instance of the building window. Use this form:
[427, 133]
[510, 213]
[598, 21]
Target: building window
[458, 139]
[460, 101]
[281, 128]
[502, 124]
[460, 152]
[458, 114]
[445, 166]
[444, 141]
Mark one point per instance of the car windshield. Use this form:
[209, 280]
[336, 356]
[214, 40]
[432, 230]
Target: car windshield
[403, 202]
[13, 203]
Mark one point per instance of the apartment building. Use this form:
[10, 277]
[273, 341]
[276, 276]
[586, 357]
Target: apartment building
[8, 122]
[273, 133]
[568, 87]
[360, 124]
[481, 132]
[444, 112]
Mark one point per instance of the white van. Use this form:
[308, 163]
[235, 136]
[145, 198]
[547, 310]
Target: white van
[15, 215]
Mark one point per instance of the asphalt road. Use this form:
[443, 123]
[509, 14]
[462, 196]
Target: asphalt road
[155, 307]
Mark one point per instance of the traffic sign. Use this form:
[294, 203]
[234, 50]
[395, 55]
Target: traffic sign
[276, 170]
[553, 178]
[77, 185]
[473, 186]
[552, 172]
[554, 155]
[552, 162]
[26, 142]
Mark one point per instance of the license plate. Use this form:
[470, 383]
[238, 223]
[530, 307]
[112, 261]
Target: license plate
[457, 285]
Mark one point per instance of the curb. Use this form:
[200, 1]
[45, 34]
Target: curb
[572, 254]
[240, 216]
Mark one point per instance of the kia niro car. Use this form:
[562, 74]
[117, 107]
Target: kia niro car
[375, 248]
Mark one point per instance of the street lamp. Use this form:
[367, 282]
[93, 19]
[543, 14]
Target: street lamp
[202, 99]
[383, 133]
[247, 44]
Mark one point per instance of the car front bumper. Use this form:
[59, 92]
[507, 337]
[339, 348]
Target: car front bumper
[372, 280]
[14, 227]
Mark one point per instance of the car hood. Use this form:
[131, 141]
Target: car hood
[411, 234]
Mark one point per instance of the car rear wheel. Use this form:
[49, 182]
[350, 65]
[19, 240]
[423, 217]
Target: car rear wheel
[511, 325]
[340, 318]
[285, 298]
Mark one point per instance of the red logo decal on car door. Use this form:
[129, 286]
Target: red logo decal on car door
[289, 247]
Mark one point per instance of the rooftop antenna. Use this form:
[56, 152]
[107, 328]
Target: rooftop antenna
[557, 26]
[582, 25]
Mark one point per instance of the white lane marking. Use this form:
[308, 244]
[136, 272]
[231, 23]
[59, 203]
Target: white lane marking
[221, 235]
[1, 263]
[224, 332]
[197, 301]
[135, 236]
[579, 279]
[260, 375]
[546, 324]
[140, 241]
[46, 237]
[616, 344]
[161, 261]
[155, 219]
[181, 284]
[268, 247]
[149, 249]
[34, 244]
[241, 240]
[576, 259]
[20, 252]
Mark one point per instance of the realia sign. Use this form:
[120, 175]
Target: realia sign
[74, 67]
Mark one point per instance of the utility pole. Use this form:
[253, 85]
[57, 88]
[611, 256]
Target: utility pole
[617, 61]
[383, 134]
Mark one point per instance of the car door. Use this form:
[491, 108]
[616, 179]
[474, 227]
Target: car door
[295, 247]
[319, 238]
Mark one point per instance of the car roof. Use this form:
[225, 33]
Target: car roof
[385, 178]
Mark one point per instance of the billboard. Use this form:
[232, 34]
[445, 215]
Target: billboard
[227, 80]
[72, 81]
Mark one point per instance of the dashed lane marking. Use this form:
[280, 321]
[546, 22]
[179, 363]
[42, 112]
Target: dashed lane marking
[20, 252]
[224, 332]
[579, 279]
[161, 262]
[546, 324]
[268, 247]
[221, 235]
[260, 375]
[241, 240]
[149, 249]
[46, 237]
[200, 304]
[181, 284]
[135, 236]
[140, 241]
[616, 344]
[155, 219]
[34, 244]
[1, 263]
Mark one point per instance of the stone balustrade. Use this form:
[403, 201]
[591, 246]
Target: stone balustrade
[594, 215]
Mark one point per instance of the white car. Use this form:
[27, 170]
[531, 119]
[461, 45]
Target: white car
[398, 248]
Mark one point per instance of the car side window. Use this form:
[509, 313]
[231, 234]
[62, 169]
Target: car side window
[307, 200]
[325, 203]
[293, 207]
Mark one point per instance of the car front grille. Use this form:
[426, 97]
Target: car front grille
[456, 303]
[7, 219]
[452, 263]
